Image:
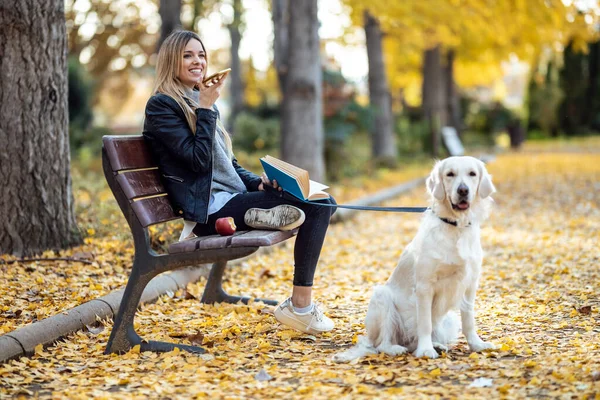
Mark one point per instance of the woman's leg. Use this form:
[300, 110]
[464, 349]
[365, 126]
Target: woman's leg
[236, 208]
[309, 241]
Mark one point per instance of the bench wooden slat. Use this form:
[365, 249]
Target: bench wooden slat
[127, 152]
[261, 238]
[141, 183]
[154, 210]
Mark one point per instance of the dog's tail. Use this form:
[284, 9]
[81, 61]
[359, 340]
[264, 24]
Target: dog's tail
[362, 348]
[382, 323]
[447, 330]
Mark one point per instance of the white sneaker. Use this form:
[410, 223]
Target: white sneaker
[279, 218]
[312, 322]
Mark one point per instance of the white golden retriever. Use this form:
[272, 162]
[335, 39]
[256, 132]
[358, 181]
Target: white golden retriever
[438, 271]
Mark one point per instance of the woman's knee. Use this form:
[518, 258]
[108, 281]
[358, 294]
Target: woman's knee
[332, 201]
[323, 208]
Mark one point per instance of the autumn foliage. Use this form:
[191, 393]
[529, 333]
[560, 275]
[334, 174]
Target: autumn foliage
[483, 34]
[538, 300]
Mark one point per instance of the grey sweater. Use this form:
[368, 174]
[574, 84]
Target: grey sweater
[226, 183]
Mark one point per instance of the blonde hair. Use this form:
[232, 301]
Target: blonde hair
[168, 65]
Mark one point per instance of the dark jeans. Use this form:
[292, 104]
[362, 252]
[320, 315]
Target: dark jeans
[311, 233]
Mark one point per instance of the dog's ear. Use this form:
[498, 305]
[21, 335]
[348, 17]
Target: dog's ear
[435, 184]
[486, 187]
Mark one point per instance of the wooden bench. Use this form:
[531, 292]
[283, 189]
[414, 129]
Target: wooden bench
[136, 184]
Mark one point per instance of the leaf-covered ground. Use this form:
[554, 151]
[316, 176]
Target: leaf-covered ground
[538, 301]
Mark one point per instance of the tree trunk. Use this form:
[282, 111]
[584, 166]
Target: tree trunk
[197, 11]
[302, 106]
[433, 96]
[36, 203]
[592, 97]
[452, 98]
[170, 15]
[573, 78]
[383, 140]
[281, 23]
[237, 85]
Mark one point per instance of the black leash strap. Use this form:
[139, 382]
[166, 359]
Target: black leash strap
[364, 208]
[371, 208]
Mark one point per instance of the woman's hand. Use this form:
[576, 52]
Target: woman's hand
[265, 181]
[209, 94]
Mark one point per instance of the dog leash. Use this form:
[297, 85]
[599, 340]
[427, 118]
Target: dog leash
[374, 208]
[371, 208]
[390, 209]
[348, 206]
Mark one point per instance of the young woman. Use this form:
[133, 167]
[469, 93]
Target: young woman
[205, 182]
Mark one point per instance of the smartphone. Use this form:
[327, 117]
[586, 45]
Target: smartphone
[216, 77]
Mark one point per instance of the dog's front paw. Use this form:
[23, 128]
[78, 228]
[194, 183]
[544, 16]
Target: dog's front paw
[440, 346]
[392, 350]
[480, 345]
[426, 352]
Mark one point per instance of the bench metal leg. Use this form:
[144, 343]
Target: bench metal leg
[123, 336]
[214, 293]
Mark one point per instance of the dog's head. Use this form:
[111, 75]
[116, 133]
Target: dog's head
[460, 181]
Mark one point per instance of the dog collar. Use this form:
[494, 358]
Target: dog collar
[453, 223]
[446, 220]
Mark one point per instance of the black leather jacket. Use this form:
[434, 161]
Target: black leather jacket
[185, 160]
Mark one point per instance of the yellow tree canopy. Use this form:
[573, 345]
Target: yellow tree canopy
[483, 33]
[260, 87]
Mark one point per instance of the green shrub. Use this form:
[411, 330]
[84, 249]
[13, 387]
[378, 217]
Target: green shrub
[345, 133]
[413, 136]
[252, 133]
[477, 139]
[537, 134]
[79, 99]
[88, 146]
[544, 103]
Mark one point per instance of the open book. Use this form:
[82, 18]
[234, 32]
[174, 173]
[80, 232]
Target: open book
[293, 180]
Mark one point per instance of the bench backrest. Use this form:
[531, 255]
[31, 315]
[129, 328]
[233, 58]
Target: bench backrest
[137, 175]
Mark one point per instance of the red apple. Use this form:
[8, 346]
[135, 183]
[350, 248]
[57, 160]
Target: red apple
[225, 226]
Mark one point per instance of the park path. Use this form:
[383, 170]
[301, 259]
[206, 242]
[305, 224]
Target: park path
[538, 300]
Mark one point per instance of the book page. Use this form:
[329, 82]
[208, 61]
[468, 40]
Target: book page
[316, 186]
[317, 191]
[319, 196]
